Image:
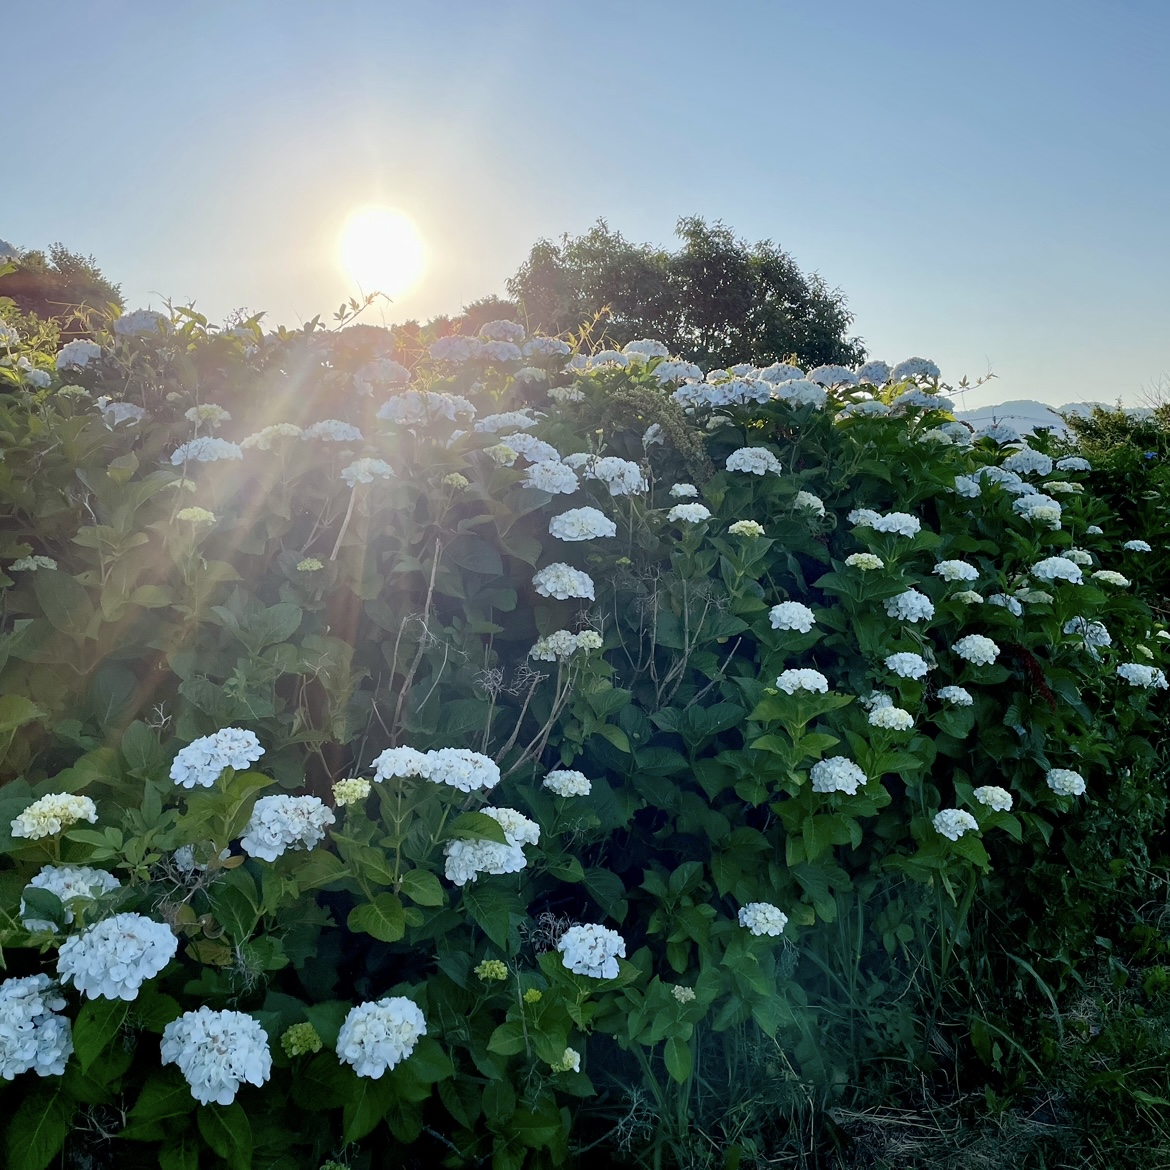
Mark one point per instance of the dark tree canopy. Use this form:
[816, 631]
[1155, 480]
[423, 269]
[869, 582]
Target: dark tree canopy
[63, 286]
[715, 299]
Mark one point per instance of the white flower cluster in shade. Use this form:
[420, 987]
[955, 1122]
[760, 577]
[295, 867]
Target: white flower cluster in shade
[1063, 487]
[891, 718]
[500, 352]
[688, 514]
[967, 487]
[592, 950]
[754, 461]
[781, 372]
[910, 606]
[552, 476]
[581, 524]
[1057, 569]
[917, 399]
[1079, 556]
[113, 958]
[956, 571]
[735, 392]
[1073, 463]
[1109, 577]
[1141, 546]
[653, 436]
[76, 355]
[531, 448]
[517, 420]
[377, 1037]
[51, 813]
[995, 798]
[467, 859]
[762, 918]
[141, 322]
[563, 581]
[114, 413]
[1138, 675]
[456, 348]
[792, 615]
[646, 349]
[70, 883]
[458, 768]
[546, 347]
[952, 823]
[801, 392]
[567, 782]
[351, 790]
[832, 376]
[674, 371]
[684, 491]
[802, 679]
[915, 367]
[366, 471]
[332, 430]
[874, 373]
[968, 597]
[205, 449]
[749, 528]
[960, 696]
[1041, 508]
[897, 523]
[1093, 635]
[1011, 604]
[1065, 782]
[875, 701]
[836, 774]
[907, 665]
[379, 374]
[32, 564]
[201, 763]
[9, 336]
[281, 822]
[622, 476]
[807, 502]
[414, 407]
[1000, 433]
[267, 437]
[864, 562]
[503, 330]
[566, 394]
[562, 645]
[1025, 461]
[210, 413]
[33, 1038]
[976, 649]
[1008, 480]
[216, 1051]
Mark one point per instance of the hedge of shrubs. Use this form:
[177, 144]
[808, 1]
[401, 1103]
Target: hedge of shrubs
[522, 754]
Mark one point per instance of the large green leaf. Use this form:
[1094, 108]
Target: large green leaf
[383, 918]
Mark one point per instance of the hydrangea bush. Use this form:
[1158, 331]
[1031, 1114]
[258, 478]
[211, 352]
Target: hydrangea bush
[450, 757]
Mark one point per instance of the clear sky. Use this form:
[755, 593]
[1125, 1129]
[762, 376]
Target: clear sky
[987, 182]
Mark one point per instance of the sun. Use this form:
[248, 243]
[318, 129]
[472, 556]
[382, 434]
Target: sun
[382, 251]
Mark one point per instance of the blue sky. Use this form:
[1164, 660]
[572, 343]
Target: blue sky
[986, 182]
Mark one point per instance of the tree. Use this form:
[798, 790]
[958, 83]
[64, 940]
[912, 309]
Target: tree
[63, 286]
[715, 299]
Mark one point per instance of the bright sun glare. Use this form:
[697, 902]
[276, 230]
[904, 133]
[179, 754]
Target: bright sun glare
[382, 251]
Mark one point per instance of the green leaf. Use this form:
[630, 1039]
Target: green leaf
[366, 1107]
[477, 826]
[474, 553]
[491, 910]
[181, 1153]
[38, 1129]
[677, 1055]
[226, 1129]
[97, 1024]
[383, 918]
[16, 711]
[421, 886]
[64, 601]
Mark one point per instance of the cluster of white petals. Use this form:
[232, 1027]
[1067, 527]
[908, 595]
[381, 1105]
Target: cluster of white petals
[1109, 577]
[995, 798]
[365, 471]
[873, 373]
[563, 644]
[113, 958]
[754, 461]
[802, 679]
[332, 430]
[545, 347]
[684, 491]
[897, 523]
[967, 597]
[762, 918]
[582, 524]
[792, 615]
[832, 376]
[216, 1051]
[645, 348]
[910, 606]
[201, 762]
[467, 859]
[281, 822]
[76, 355]
[807, 502]
[567, 782]
[552, 476]
[749, 528]
[1057, 569]
[836, 774]
[977, 649]
[1073, 463]
[907, 665]
[531, 448]
[414, 407]
[675, 371]
[1026, 461]
[51, 813]
[352, 790]
[864, 562]
[915, 367]
[1041, 508]
[1004, 601]
[1138, 675]
[455, 348]
[205, 449]
[960, 696]
[967, 487]
[1094, 635]
[622, 476]
[266, 438]
[32, 1036]
[70, 883]
[688, 514]
[1065, 782]
[503, 330]
[141, 322]
[208, 412]
[1141, 546]
[563, 581]
[520, 420]
[952, 823]
[592, 950]
[891, 718]
[378, 1036]
[956, 571]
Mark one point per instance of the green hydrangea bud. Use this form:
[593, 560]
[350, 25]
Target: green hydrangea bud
[300, 1039]
[310, 565]
[532, 995]
[492, 971]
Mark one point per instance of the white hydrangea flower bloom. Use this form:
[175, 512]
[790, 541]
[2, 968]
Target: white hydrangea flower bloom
[365, 470]
[463, 769]
[832, 376]
[466, 860]
[520, 420]
[1057, 569]
[748, 528]
[545, 347]
[455, 348]
[622, 476]
[500, 352]
[684, 491]
[70, 883]
[202, 762]
[210, 413]
[910, 606]
[688, 514]
[567, 782]
[921, 400]
[1109, 577]
[960, 696]
[399, 763]
[864, 562]
[1093, 635]
[1011, 604]
[654, 436]
[807, 502]
[915, 367]
[863, 517]
[995, 798]
[566, 394]
[416, 407]
[205, 449]
[781, 372]
[141, 322]
[377, 1037]
[899, 523]
[562, 645]
[332, 430]
[754, 461]
[76, 355]
[646, 349]
[668, 371]
[869, 408]
[968, 597]
[968, 487]
[1041, 508]
[281, 822]
[836, 774]
[216, 1051]
[1138, 675]
[592, 950]
[1063, 486]
[956, 571]
[1073, 463]
[873, 373]
[1065, 782]
[1079, 556]
[952, 823]
[1026, 461]
[801, 392]
[32, 564]
[267, 438]
[1137, 546]
[907, 665]
[891, 718]
[801, 679]
[352, 790]
[51, 813]
[563, 581]
[762, 918]
[33, 1038]
[792, 615]
[582, 524]
[113, 958]
[977, 649]
[876, 700]
[552, 476]
[503, 330]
